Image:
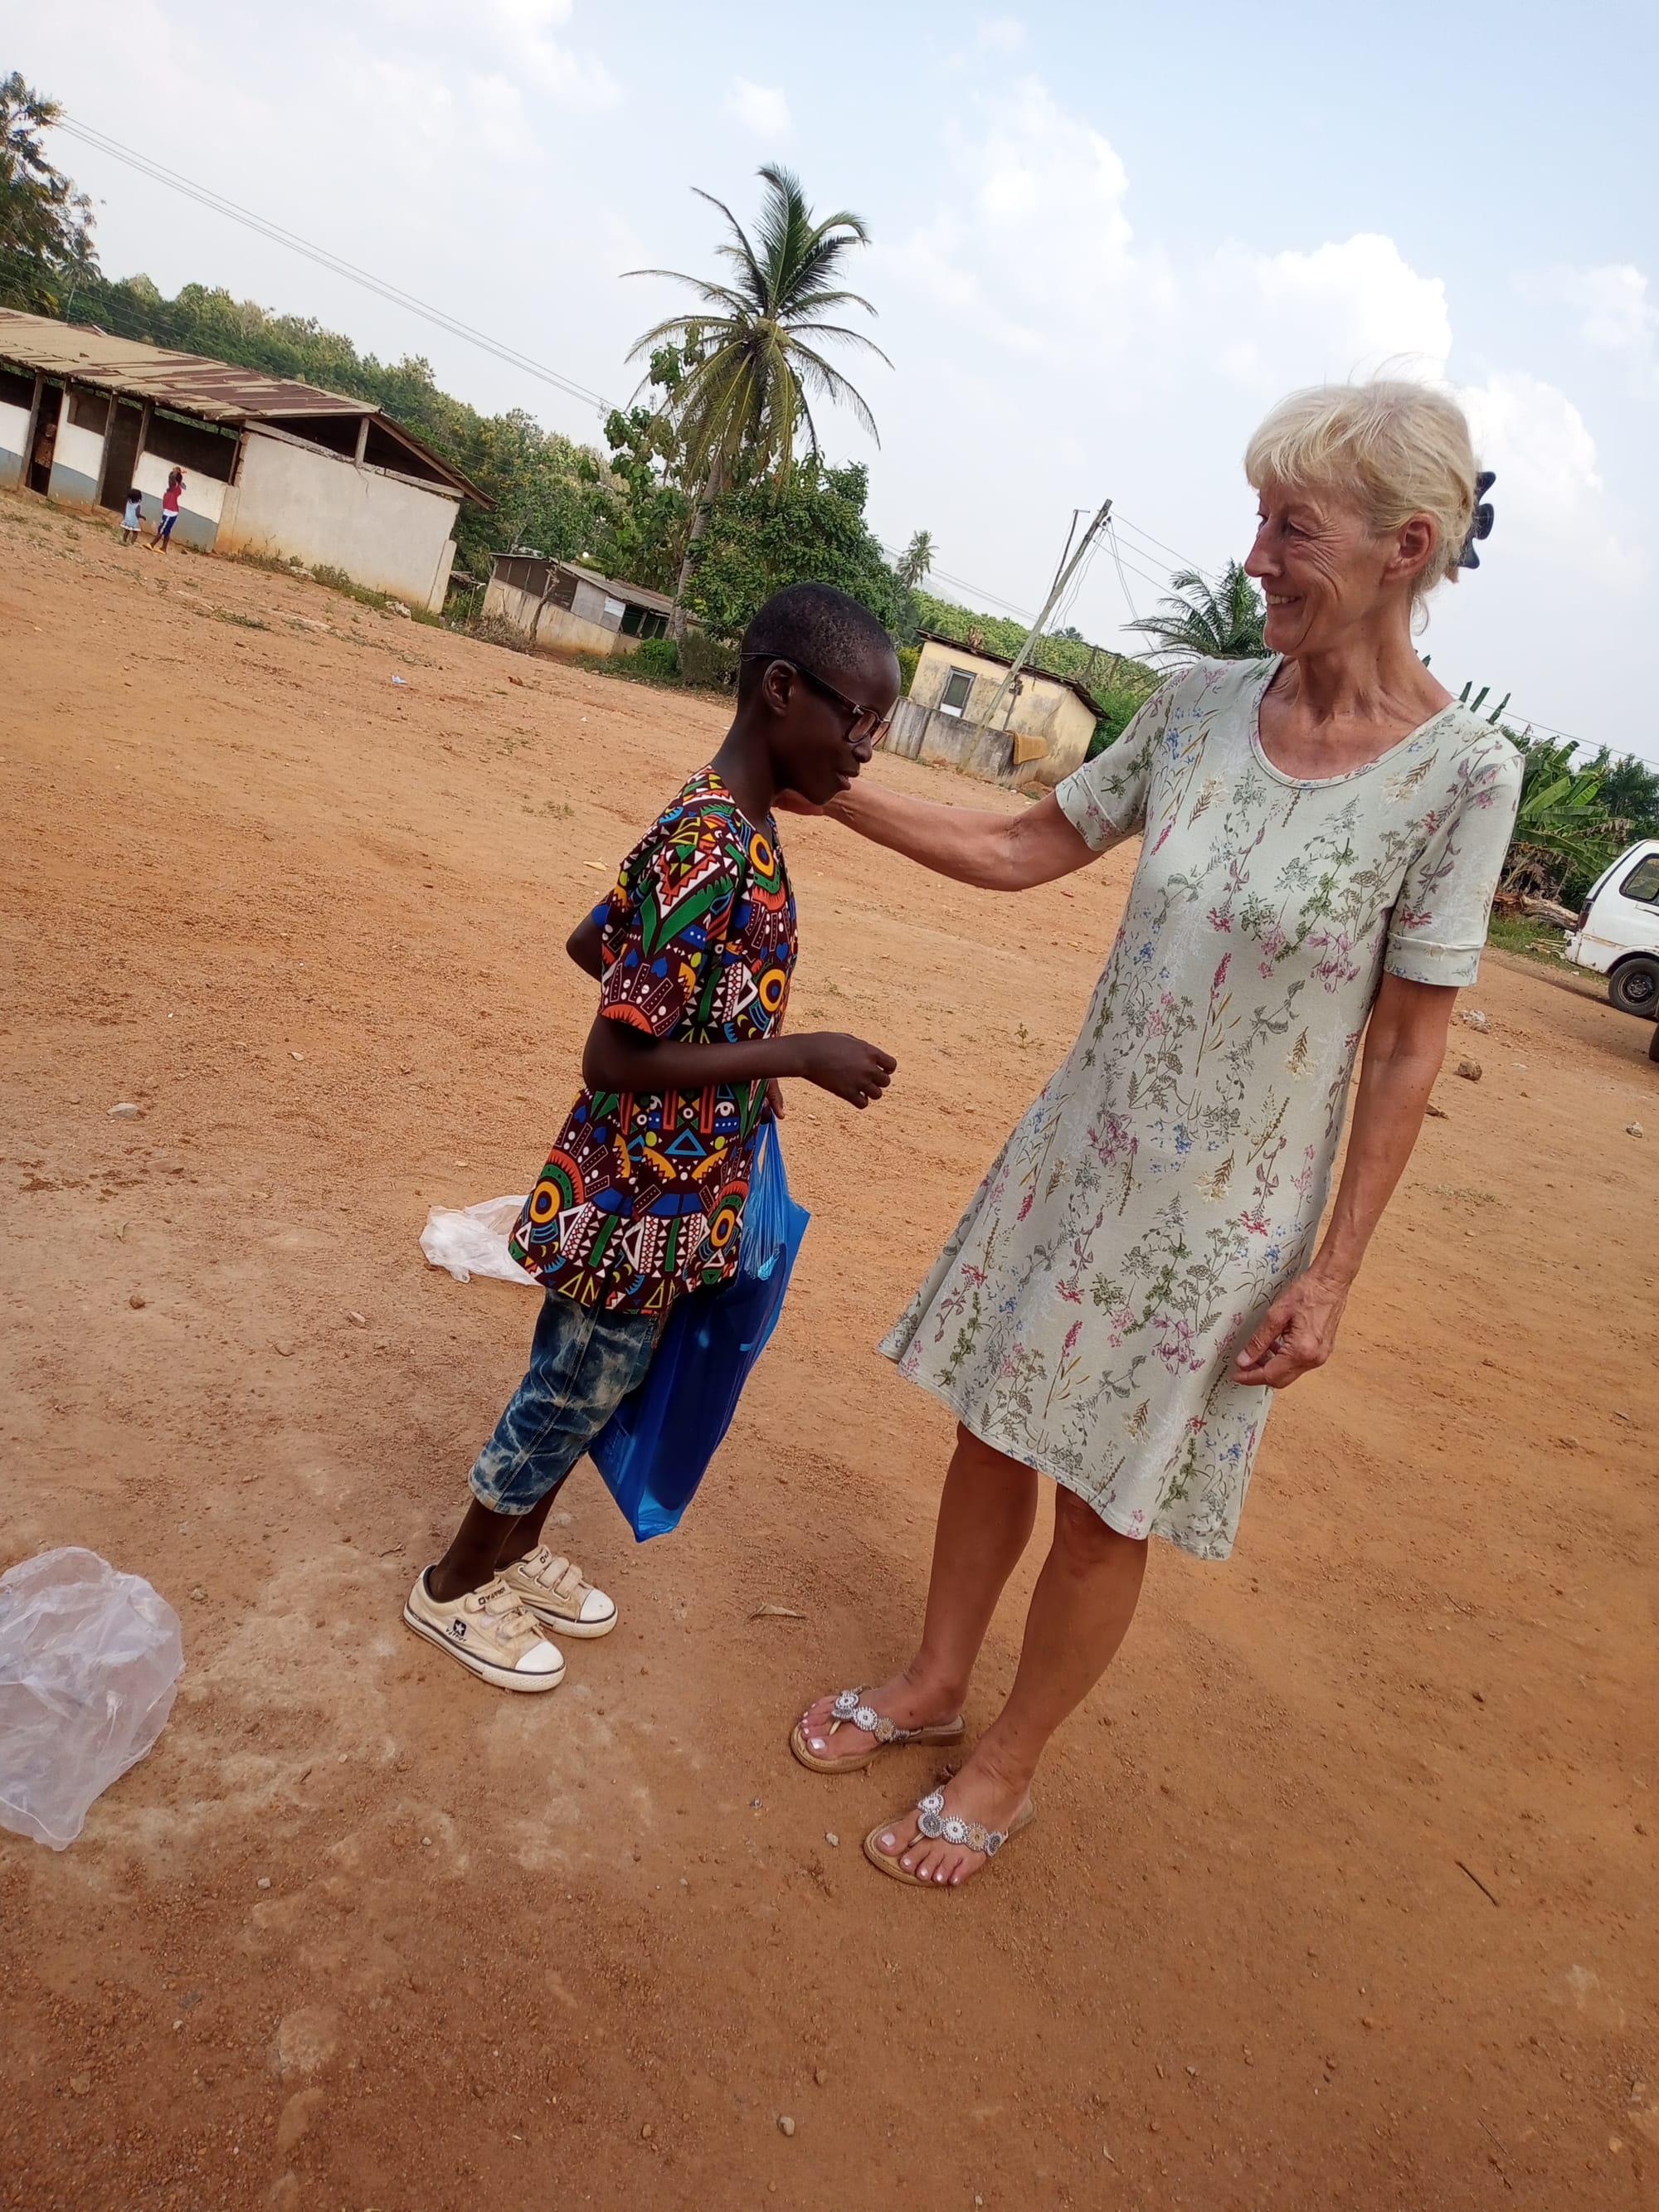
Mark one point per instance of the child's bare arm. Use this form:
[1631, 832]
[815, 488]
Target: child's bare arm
[619, 1057]
[584, 946]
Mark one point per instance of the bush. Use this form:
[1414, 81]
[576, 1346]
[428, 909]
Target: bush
[658, 657]
[907, 657]
[708, 664]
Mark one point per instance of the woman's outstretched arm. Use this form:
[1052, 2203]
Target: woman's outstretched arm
[995, 852]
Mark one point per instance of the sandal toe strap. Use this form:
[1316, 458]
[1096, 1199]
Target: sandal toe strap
[849, 1706]
[941, 1826]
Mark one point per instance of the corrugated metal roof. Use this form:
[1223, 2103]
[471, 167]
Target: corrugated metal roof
[633, 595]
[1073, 684]
[217, 390]
[636, 595]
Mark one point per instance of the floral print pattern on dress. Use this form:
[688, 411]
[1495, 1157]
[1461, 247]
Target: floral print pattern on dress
[1085, 1316]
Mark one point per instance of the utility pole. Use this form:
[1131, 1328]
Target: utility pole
[1068, 568]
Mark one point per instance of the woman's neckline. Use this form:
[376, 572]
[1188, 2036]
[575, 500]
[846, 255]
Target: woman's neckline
[1327, 782]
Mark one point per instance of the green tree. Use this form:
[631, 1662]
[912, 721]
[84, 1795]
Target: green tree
[642, 512]
[1203, 621]
[45, 225]
[1560, 832]
[778, 530]
[746, 400]
[916, 560]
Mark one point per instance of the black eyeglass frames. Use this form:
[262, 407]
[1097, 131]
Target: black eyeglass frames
[867, 722]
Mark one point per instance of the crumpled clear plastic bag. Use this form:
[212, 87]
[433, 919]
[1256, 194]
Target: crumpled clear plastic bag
[90, 1666]
[472, 1240]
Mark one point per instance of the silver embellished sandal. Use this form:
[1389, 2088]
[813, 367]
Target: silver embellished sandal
[849, 1711]
[937, 1825]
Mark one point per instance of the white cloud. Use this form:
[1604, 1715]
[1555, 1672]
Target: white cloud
[1349, 309]
[1618, 314]
[761, 109]
[1552, 504]
[1001, 34]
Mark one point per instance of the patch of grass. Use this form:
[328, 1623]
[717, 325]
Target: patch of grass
[242, 621]
[627, 666]
[554, 810]
[1529, 935]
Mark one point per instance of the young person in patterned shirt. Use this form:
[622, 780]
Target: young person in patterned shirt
[642, 1197]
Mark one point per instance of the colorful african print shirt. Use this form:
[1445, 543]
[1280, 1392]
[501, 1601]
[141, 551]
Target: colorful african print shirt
[642, 1196]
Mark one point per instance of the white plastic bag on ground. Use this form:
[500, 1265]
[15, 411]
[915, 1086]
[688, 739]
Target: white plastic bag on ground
[472, 1240]
[89, 1667]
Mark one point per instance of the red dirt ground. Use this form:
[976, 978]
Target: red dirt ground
[1343, 1894]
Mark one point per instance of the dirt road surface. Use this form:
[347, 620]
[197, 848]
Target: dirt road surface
[1343, 1891]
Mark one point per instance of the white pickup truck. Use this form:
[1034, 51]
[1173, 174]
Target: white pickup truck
[1617, 932]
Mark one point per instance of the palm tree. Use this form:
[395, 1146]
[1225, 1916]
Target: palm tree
[751, 370]
[1561, 826]
[916, 560]
[1208, 621]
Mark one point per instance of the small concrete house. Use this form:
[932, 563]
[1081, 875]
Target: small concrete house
[271, 467]
[562, 607]
[1043, 726]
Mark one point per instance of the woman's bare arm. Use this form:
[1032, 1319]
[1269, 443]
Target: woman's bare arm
[993, 852]
[1404, 1048]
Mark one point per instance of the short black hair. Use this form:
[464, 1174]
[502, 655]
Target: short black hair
[814, 624]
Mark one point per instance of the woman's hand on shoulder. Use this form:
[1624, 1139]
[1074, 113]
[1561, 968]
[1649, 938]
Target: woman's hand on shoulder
[1296, 1334]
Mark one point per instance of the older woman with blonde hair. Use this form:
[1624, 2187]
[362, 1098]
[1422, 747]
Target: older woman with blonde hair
[1142, 1267]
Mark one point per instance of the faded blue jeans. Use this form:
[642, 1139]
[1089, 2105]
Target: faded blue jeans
[583, 1363]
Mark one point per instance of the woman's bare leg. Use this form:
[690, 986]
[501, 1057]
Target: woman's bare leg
[986, 1515]
[1081, 1609]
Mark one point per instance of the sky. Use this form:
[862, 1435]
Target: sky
[1104, 242]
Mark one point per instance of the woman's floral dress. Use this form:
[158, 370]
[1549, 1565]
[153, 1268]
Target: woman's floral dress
[1085, 1313]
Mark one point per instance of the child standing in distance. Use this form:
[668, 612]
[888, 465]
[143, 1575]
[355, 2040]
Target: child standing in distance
[170, 499]
[641, 1198]
[133, 518]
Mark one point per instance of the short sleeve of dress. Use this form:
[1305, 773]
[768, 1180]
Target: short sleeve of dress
[1440, 918]
[668, 913]
[1105, 799]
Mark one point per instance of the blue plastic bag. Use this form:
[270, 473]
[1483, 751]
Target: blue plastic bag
[654, 1449]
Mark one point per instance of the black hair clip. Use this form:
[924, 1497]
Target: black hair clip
[1481, 522]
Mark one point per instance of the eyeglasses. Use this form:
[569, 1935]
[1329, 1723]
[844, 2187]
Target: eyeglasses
[867, 722]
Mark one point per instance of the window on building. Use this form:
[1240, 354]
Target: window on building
[16, 389]
[959, 690]
[1643, 881]
[640, 622]
[89, 411]
[199, 448]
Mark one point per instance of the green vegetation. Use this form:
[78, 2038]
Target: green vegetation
[45, 225]
[739, 405]
[1575, 818]
[1202, 620]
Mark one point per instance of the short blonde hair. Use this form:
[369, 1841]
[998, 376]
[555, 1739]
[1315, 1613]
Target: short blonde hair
[1395, 449]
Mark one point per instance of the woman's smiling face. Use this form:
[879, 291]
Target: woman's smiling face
[1322, 567]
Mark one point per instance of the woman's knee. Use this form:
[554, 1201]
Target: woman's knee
[1083, 1541]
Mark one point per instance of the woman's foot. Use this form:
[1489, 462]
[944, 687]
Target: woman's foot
[908, 1704]
[977, 1794]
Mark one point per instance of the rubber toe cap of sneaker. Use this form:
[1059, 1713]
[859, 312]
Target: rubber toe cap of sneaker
[595, 1605]
[541, 1658]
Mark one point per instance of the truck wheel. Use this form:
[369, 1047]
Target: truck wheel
[1634, 987]
[1653, 1047]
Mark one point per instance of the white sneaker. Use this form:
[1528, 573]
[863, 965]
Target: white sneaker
[554, 1591]
[489, 1631]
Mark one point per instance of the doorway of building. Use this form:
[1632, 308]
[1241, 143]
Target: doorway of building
[44, 436]
[121, 454]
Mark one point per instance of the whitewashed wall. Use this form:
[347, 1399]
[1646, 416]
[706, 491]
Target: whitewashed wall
[292, 503]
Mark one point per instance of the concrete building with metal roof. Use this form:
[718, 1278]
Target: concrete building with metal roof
[271, 467]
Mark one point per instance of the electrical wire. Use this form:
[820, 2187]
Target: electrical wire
[101, 142]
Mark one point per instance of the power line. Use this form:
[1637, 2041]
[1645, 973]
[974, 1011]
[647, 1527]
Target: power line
[101, 142]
